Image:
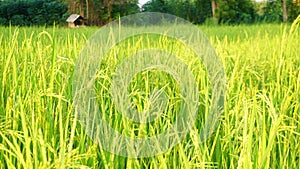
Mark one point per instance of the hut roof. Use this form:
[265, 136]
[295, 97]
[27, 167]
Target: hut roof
[74, 17]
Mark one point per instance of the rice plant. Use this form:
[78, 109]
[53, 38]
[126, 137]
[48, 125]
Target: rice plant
[260, 127]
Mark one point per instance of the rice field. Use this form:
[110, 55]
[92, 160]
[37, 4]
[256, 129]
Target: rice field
[259, 128]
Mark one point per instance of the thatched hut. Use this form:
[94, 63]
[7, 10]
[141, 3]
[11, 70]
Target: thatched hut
[75, 20]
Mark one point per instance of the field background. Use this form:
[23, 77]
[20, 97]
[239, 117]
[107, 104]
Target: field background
[260, 127]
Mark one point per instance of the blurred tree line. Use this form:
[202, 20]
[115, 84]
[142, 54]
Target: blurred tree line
[100, 12]
[27, 13]
[228, 11]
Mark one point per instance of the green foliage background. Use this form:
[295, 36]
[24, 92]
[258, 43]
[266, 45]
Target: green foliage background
[100, 12]
[27, 13]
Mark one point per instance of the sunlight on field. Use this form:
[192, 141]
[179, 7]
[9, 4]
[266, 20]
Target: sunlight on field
[260, 127]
